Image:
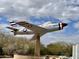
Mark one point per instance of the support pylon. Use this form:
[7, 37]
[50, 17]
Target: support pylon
[37, 47]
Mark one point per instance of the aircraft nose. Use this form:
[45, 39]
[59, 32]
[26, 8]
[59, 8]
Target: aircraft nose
[64, 24]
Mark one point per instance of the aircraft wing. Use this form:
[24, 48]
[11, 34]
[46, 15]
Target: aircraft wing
[14, 29]
[32, 27]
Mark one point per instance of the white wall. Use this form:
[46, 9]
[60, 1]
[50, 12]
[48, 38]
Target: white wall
[75, 51]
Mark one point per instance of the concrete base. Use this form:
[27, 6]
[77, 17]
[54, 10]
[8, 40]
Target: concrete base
[26, 57]
[21, 57]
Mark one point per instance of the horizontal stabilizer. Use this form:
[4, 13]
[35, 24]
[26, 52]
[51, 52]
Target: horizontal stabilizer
[14, 29]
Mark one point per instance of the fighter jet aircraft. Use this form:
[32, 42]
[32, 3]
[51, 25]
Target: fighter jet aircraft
[37, 30]
[40, 29]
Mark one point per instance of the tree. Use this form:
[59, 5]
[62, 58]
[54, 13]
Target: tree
[1, 51]
[60, 48]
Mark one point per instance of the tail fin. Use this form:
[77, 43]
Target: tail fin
[12, 23]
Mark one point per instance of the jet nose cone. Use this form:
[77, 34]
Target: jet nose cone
[64, 24]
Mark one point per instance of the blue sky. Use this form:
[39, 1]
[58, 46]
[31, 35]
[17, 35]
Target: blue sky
[3, 20]
[40, 11]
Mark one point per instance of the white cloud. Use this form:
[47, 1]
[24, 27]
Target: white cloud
[26, 36]
[2, 9]
[2, 26]
[23, 8]
[58, 37]
[62, 9]
[14, 7]
[76, 25]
